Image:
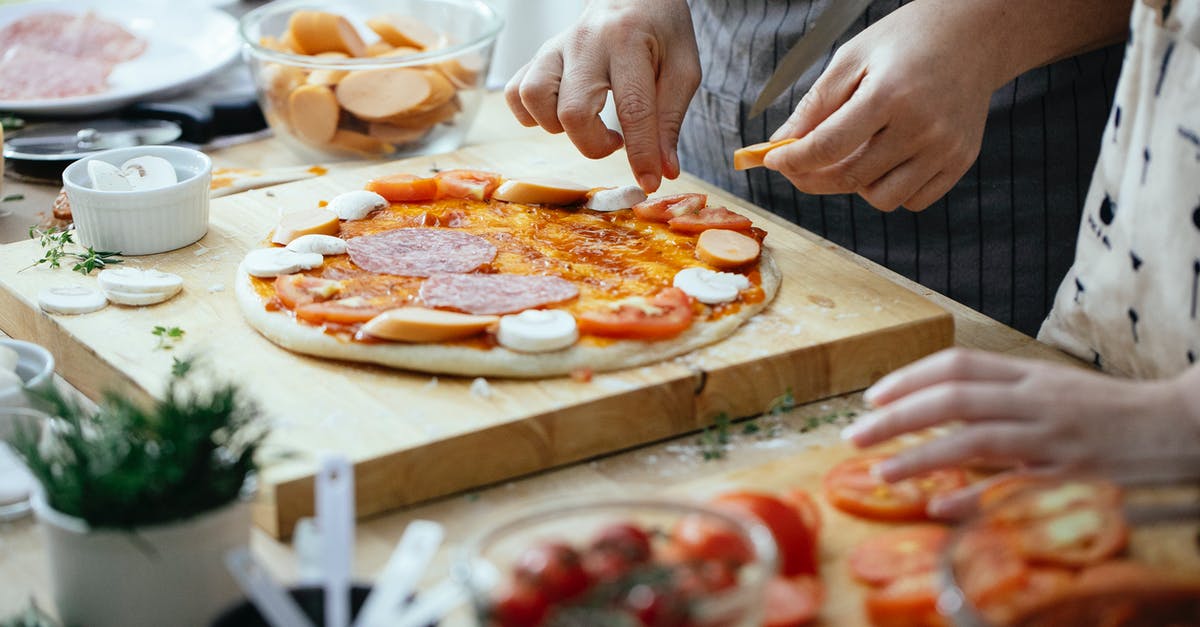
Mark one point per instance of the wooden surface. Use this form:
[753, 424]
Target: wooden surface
[833, 328]
[674, 466]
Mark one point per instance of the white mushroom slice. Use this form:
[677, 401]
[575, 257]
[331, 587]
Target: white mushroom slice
[138, 281]
[107, 177]
[71, 300]
[538, 331]
[315, 243]
[149, 172]
[8, 359]
[272, 262]
[615, 199]
[137, 299]
[709, 287]
[357, 204]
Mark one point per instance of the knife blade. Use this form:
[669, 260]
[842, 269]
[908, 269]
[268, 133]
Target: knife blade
[829, 26]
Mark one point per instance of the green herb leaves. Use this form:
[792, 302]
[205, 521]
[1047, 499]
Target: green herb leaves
[168, 337]
[54, 242]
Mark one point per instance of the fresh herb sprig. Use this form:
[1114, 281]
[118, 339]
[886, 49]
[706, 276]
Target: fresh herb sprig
[54, 242]
[715, 438]
[168, 338]
[13, 197]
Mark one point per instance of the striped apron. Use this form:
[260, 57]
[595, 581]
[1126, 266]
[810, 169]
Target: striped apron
[1000, 241]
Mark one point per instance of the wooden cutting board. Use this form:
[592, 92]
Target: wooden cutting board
[834, 327]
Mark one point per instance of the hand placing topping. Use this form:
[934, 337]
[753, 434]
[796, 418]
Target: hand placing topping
[709, 287]
[538, 331]
[357, 204]
[272, 262]
[316, 243]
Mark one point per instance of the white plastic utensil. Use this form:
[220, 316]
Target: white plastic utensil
[432, 605]
[275, 605]
[399, 578]
[335, 520]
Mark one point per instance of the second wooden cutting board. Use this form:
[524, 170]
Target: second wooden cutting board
[834, 327]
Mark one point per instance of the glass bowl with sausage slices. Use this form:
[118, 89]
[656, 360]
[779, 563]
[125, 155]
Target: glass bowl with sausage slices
[620, 562]
[1075, 551]
[370, 78]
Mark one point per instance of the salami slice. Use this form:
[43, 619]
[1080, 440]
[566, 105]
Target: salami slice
[495, 293]
[420, 252]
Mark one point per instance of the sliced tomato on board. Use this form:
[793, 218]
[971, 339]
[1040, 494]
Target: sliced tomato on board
[404, 188]
[301, 289]
[337, 313]
[471, 184]
[709, 218]
[667, 207]
[852, 487]
[669, 314]
[792, 601]
[909, 601]
[988, 564]
[1073, 523]
[1042, 496]
[897, 553]
[1038, 586]
[794, 540]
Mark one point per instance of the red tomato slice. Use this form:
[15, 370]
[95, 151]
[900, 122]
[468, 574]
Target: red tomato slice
[631, 322]
[667, 207]
[851, 487]
[1073, 523]
[988, 565]
[301, 289]
[898, 553]
[709, 218]
[404, 188]
[795, 542]
[792, 601]
[1039, 586]
[804, 504]
[906, 602]
[1052, 495]
[331, 311]
[697, 538]
[472, 184]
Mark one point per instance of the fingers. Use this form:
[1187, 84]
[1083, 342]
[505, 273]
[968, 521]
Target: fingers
[836, 138]
[954, 364]
[676, 85]
[964, 503]
[634, 92]
[512, 95]
[831, 90]
[934, 189]
[933, 406]
[539, 90]
[582, 94]
[987, 442]
[870, 162]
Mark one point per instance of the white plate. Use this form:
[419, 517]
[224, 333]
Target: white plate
[185, 43]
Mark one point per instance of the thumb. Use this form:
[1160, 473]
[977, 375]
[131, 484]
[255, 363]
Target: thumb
[830, 91]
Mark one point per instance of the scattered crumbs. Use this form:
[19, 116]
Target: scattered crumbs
[200, 250]
[614, 384]
[480, 388]
[216, 287]
[433, 383]
[269, 194]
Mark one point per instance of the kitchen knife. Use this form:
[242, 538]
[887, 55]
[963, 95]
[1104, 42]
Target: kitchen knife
[830, 25]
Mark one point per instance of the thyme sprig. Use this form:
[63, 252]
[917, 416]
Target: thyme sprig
[54, 242]
[168, 337]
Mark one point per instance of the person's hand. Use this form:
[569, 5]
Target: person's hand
[898, 115]
[1040, 417]
[645, 52]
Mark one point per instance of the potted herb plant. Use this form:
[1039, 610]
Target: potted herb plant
[140, 504]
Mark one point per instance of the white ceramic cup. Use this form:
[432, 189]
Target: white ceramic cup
[141, 222]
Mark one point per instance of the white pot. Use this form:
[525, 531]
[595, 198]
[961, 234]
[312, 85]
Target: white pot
[165, 575]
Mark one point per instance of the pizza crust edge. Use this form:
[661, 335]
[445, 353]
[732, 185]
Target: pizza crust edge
[283, 330]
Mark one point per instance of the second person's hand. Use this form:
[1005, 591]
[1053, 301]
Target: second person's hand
[645, 53]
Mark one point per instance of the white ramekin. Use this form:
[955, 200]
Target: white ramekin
[141, 222]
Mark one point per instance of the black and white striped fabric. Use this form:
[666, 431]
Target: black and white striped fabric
[999, 242]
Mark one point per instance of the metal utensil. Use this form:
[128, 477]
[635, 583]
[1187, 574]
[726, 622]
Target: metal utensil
[830, 25]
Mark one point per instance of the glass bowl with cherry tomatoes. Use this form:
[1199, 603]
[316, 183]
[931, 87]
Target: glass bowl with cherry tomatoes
[1075, 551]
[650, 563]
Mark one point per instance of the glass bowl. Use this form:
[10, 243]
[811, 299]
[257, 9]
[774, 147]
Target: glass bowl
[496, 566]
[379, 99]
[1047, 577]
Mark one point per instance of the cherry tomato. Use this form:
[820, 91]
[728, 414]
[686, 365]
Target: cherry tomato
[630, 322]
[702, 539]
[606, 566]
[909, 601]
[332, 311]
[301, 289]
[796, 544]
[555, 569]
[404, 188]
[668, 207]
[792, 601]
[703, 577]
[851, 487]
[472, 184]
[656, 606]
[519, 606]
[897, 553]
[709, 218]
[629, 541]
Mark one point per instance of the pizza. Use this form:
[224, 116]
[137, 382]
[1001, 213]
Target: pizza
[467, 273]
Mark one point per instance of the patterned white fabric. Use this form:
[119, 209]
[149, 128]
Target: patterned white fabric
[1130, 303]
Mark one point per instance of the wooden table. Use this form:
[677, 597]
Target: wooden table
[676, 467]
